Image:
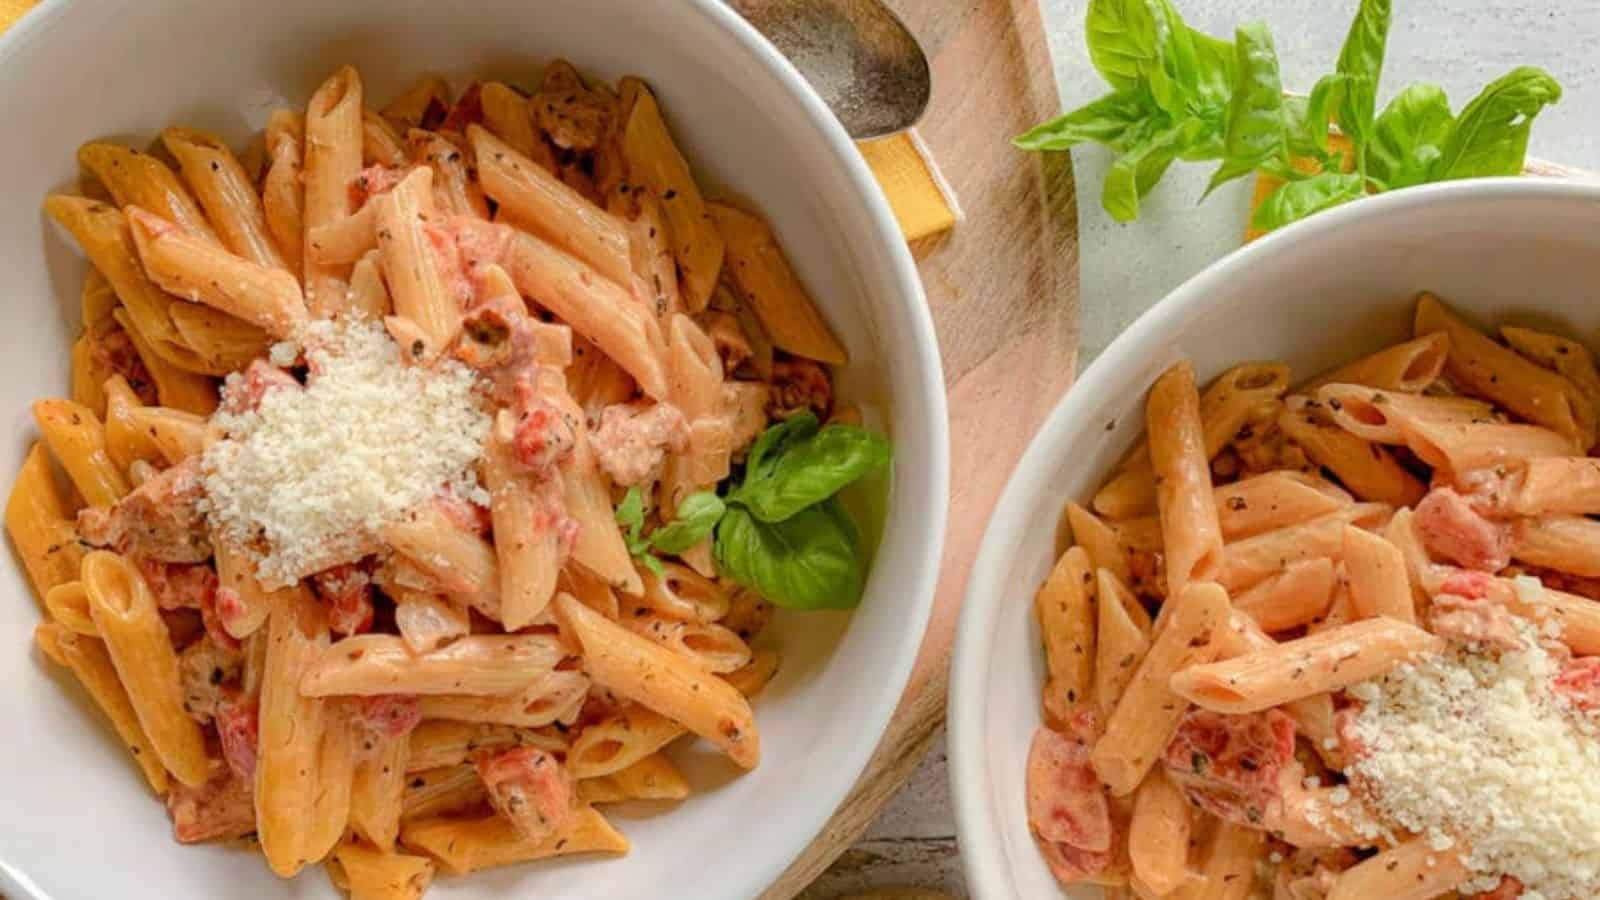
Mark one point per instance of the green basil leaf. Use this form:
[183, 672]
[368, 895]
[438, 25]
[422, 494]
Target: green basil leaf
[811, 561]
[1214, 69]
[1255, 132]
[1361, 60]
[697, 516]
[1308, 131]
[1408, 137]
[813, 470]
[1107, 120]
[1134, 173]
[1123, 42]
[1490, 136]
[1297, 199]
[630, 512]
[649, 561]
[773, 442]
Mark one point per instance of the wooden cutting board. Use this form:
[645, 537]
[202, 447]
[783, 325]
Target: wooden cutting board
[1003, 288]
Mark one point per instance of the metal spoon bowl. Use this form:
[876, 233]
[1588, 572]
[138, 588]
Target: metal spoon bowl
[858, 56]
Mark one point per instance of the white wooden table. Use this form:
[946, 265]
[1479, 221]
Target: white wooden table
[1460, 44]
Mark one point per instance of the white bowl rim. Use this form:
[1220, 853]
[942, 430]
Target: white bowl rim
[899, 660]
[983, 860]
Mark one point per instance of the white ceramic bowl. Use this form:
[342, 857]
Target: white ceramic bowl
[76, 820]
[1320, 292]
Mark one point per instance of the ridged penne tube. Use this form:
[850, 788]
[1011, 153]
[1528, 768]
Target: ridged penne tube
[1263, 503]
[344, 241]
[711, 646]
[1376, 572]
[695, 378]
[101, 230]
[619, 741]
[177, 434]
[1101, 541]
[139, 179]
[383, 876]
[1248, 562]
[470, 845]
[1158, 833]
[381, 144]
[283, 191]
[537, 200]
[1409, 367]
[236, 573]
[96, 303]
[125, 614]
[422, 104]
[681, 593]
[1184, 497]
[650, 246]
[428, 621]
[176, 387]
[769, 286]
[1149, 712]
[1409, 871]
[202, 272]
[1421, 573]
[442, 791]
[596, 308]
[460, 561]
[291, 726]
[1295, 596]
[1484, 368]
[654, 160]
[1559, 484]
[221, 339]
[226, 192]
[442, 742]
[68, 605]
[1313, 715]
[1066, 608]
[1228, 862]
[1369, 470]
[369, 296]
[1225, 406]
[526, 528]
[1568, 357]
[1330, 660]
[373, 664]
[410, 266]
[332, 162]
[455, 191]
[1445, 432]
[553, 697]
[336, 766]
[659, 679]
[44, 536]
[651, 778]
[1565, 543]
[126, 441]
[78, 441]
[88, 376]
[92, 666]
[1122, 640]
[506, 113]
[587, 492]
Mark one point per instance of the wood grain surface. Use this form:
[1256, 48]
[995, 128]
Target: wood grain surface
[1003, 291]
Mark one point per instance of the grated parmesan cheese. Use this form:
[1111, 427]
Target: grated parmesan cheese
[1472, 747]
[310, 476]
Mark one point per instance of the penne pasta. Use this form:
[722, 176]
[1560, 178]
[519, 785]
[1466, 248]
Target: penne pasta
[1296, 596]
[770, 287]
[283, 196]
[383, 876]
[227, 193]
[1409, 367]
[1248, 562]
[374, 664]
[1409, 871]
[1158, 834]
[455, 191]
[410, 267]
[651, 778]
[1376, 573]
[77, 439]
[381, 144]
[89, 662]
[139, 179]
[528, 555]
[1369, 470]
[1121, 641]
[221, 339]
[287, 777]
[1189, 527]
[551, 698]
[332, 161]
[1564, 543]
[44, 536]
[470, 845]
[1568, 357]
[1066, 607]
[698, 241]
[1554, 485]
[439, 743]
[459, 561]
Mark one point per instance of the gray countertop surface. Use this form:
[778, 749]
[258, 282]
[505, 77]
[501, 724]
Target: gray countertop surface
[1124, 269]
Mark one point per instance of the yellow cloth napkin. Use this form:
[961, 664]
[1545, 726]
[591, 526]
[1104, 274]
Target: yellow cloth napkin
[922, 202]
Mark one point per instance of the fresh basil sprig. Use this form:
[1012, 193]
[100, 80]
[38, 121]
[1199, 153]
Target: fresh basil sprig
[1180, 94]
[781, 530]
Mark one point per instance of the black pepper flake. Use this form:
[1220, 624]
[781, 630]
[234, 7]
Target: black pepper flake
[671, 194]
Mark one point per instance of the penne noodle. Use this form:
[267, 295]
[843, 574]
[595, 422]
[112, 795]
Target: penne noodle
[1066, 608]
[345, 241]
[1410, 367]
[78, 441]
[619, 741]
[1327, 661]
[1102, 542]
[283, 197]
[236, 573]
[330, 806]
[380, 143]
[1148, 714]
[1158, 834]
[182, 264]
[126, 441]
[139, 179]
[125, 615]
[458, 560]
[1296, 596]
[653, 159]
[222, 340]
[1185, 501]
[1484, 368]
[1553, 485]
[769, 286]
[226, 192]
[551, 698]
[36, 518]
[1565, 543]
[650, 246]
[177, 388]
[438, 743]
[1410, 871]
[470, 845]
[410, 266]
[1376, 573]
[508, 116]
[1228, 863]
[68, 604]
[442, 791]
[527, 535]
[711, 646]
[332, 161]
[89, 662]
[651, 778]
[1248, 562]
[658, 679]
[290, 744]
[599, 548]
[1568, 357]
[1274, 500]
[383, 876]
[423, 105]
[539, 202]
[88, 374]
[369, 296]
[1370, 471]
[455, 191]
[1122, 640]
[373, 664]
